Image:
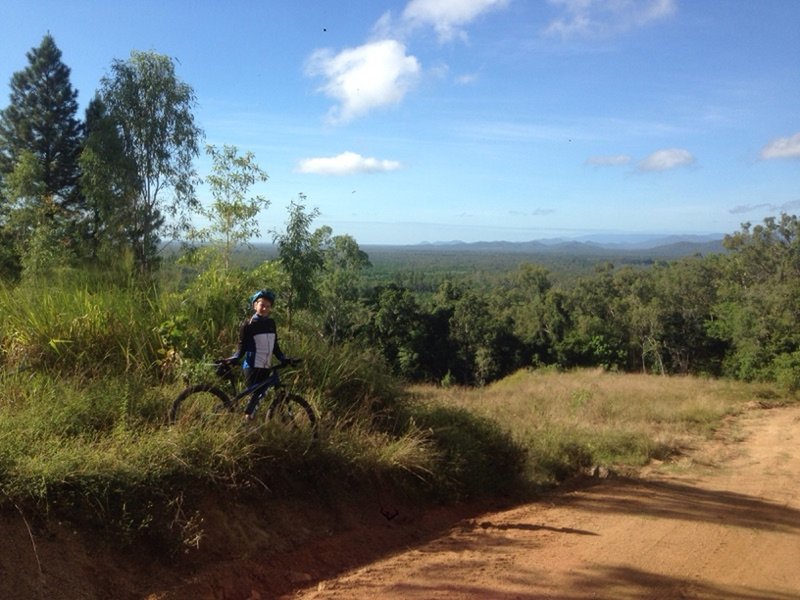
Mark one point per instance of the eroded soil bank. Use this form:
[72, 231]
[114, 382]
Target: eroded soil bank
[724, 522]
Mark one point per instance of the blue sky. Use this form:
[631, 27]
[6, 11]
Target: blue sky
[437, 120]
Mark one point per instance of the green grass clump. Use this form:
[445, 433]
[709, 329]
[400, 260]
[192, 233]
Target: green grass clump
[78, 327]
[100, 451]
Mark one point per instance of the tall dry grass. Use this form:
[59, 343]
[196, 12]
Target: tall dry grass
[584, 418]
[84, 397]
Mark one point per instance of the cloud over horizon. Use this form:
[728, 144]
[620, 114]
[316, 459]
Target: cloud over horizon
[745, 208]
[615, 160]
[788, 147]
[346, 163]
[666, 160]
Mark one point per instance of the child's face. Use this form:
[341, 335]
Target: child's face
[262, 306]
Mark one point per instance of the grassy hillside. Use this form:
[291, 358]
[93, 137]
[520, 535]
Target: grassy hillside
[570, 422]
[100, 453]
[90, 363]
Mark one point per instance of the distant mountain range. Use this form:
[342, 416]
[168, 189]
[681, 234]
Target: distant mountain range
[590, 245]
[606, 240]
[640, 241]
[593, 247]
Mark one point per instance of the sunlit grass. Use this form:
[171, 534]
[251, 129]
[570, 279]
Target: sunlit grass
[584, 418]
[84, 399]
[79, 327]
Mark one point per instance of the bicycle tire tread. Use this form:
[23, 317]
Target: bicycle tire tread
[194, 389]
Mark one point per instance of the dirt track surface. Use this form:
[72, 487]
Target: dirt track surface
[723, 524]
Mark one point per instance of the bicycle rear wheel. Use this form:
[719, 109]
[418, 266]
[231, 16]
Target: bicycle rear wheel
[294, 414]
[199, 403]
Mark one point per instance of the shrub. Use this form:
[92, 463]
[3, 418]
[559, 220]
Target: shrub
[476, 457]
[786, 369]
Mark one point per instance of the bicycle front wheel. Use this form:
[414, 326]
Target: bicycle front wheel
[294, 414]
[199, 403]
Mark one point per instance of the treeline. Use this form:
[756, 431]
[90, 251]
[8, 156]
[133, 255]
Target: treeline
[735, 314]
[102, 193]
[112, 185]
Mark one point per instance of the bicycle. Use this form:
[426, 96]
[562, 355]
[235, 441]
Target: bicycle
[202, 401]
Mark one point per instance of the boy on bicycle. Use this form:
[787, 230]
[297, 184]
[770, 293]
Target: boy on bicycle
[258, 342]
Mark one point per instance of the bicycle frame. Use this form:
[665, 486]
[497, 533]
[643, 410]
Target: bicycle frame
[257, 390]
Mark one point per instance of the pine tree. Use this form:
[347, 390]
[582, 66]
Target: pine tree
[40, 141]
[41, 120]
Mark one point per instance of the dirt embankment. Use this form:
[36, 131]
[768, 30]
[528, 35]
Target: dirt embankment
[722, 523]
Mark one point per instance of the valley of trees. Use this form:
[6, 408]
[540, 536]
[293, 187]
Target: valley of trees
[105, 192]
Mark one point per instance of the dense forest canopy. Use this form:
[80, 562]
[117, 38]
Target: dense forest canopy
[101, 195]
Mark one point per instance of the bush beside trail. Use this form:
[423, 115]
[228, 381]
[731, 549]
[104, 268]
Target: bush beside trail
[84, 434]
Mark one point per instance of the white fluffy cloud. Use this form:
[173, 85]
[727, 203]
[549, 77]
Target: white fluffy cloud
[599, 18]
[788, 147]
[448, 17]
[366, 77]
[381, 72]
[346, 163]
[666, 159]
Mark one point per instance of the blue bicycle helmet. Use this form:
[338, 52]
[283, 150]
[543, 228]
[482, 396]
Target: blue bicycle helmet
[268, 294]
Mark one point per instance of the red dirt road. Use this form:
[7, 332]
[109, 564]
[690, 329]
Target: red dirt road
[722, 524]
